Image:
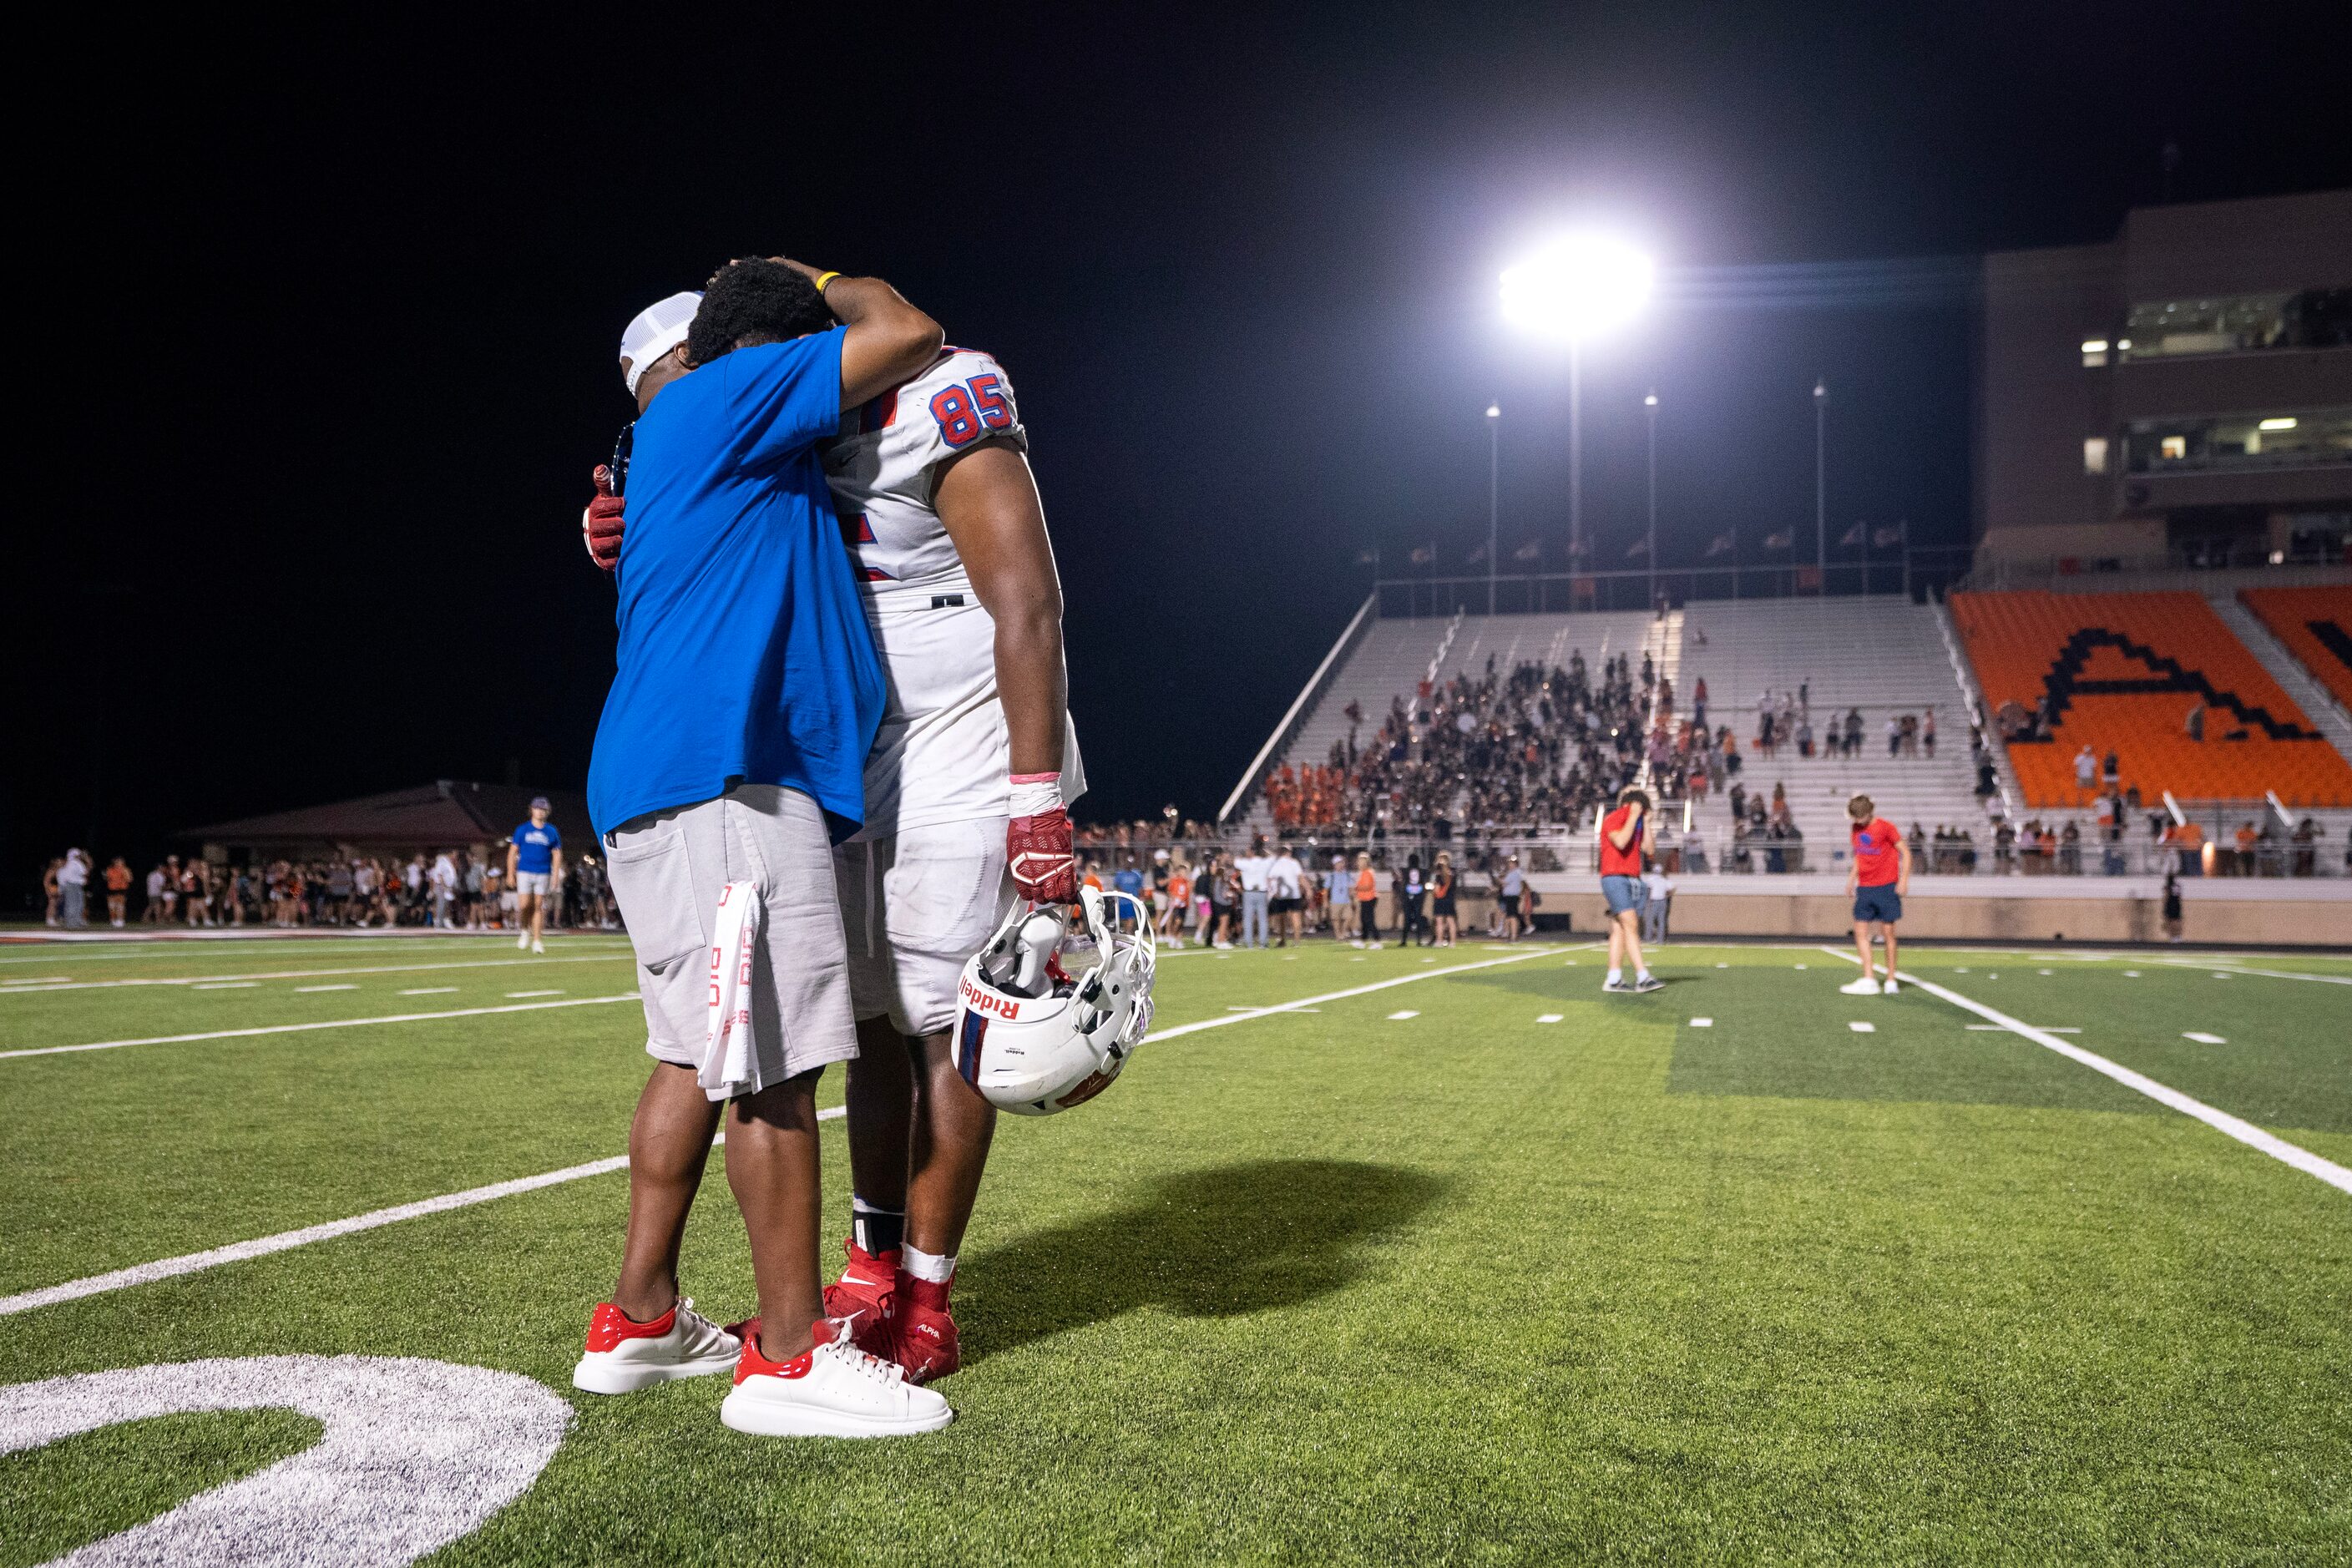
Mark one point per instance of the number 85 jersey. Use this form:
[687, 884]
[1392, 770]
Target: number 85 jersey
[883, 464]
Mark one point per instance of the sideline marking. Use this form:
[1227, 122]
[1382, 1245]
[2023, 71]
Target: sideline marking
[2221, 1121]
[202, 981]
[286, 1240]
[1306, 1003]
[2046, 1028]
[321, 1024]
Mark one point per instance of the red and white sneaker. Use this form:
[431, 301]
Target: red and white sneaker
[832, 1390]
[624, 1355]
[924, 1330]
[864, 1294]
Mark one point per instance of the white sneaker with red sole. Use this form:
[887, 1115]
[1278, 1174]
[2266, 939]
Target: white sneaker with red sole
[835, 1390]
[624, 1355]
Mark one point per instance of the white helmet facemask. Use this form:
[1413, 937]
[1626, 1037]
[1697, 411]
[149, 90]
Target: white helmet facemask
[1033, 1039]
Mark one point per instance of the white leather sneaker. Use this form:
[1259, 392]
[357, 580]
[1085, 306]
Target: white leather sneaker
[624, 1355]
[1864, 987]
[832, 1391]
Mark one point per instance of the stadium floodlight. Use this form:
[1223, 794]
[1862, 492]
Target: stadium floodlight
[1578, 285]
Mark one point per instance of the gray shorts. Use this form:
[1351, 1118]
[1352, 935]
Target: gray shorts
[916, 905]
[666, 870]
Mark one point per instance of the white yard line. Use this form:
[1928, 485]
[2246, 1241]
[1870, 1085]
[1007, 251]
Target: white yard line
[200, 981]
[148, 948]
[286, 1240]
[2271, 973]
[2245, 1132]
[1307, 1004]
[322, 1024]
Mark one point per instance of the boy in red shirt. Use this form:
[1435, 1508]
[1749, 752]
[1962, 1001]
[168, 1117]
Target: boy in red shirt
[1879, 877]
[1626, 835]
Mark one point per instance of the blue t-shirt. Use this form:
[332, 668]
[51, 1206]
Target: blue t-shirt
[535, 846]
[744, 652]
[1128, 880]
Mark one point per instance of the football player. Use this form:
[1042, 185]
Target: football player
[966, 792]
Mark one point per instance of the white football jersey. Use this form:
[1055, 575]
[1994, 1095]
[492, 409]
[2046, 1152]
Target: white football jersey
[942, 754]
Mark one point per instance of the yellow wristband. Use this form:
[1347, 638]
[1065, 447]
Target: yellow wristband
[824, 278]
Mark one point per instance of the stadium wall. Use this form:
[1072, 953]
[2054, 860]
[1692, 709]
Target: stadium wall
[2243, 912]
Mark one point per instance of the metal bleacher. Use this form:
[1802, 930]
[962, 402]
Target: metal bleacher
[1880, 653]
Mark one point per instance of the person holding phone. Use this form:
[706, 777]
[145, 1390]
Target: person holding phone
[1627, 836]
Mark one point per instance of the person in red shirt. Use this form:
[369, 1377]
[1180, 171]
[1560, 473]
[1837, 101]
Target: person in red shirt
[1876, 880]
[1627, 836]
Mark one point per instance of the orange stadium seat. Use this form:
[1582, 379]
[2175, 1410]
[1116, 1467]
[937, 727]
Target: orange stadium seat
[2122, 671]
[2316, 624]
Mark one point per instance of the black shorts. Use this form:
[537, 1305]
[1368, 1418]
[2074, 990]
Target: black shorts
[1283, 906]
[1511, 905]
[1442, 909]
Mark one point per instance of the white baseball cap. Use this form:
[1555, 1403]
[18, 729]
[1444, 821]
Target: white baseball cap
[655, 330]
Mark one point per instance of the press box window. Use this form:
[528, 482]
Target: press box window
[2095, 454]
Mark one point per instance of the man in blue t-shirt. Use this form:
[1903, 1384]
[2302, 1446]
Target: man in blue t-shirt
[730, 756]
[534, 870]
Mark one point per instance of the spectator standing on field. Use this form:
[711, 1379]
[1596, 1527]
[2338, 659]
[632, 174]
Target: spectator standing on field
[118, 891]
[2171, 906]
[1876, 879]
[1366, 893]
[1657, 897]
[1286, 882]
[1627, 837]
[1253, 867]
[1445, 927]
[534, 862]
[1339, 895]
[73, 885]
[1515, 886]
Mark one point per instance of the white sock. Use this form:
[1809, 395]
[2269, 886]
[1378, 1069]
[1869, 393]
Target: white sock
[1615, 974]
[928, 1265]
[1641, 974]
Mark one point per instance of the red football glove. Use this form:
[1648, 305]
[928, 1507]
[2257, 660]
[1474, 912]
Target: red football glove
[1037, 849]
[601, 524]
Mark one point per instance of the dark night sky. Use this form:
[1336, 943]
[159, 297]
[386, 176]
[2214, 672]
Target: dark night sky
[325, 322]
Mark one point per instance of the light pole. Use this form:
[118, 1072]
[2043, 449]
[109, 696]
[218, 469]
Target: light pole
[1650, 405]
[1494, 493]
[1577, 286]
[1821, 489]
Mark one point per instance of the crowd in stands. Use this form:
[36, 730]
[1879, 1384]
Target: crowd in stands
[452, 889]
[1505, 749]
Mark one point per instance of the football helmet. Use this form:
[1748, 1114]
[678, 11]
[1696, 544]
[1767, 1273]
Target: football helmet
[1033, 1039]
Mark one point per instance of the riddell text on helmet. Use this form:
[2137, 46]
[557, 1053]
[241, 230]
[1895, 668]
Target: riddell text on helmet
[1002, 1006]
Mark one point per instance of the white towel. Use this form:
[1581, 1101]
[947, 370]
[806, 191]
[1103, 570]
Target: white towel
[730, 1064]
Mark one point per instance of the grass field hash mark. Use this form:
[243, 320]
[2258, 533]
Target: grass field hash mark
[2203, 1038]
[1862, 1027]
[299, 1028]
[1400, 1017]
[2221, 1121]
[314, 990]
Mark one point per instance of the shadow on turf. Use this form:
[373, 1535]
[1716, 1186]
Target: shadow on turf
[1215, 1243]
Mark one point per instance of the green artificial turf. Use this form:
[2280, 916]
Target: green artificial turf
[1465, 1286]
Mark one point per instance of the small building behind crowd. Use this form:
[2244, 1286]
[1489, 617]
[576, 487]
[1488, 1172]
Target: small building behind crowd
[447, 814]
